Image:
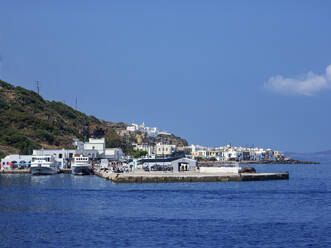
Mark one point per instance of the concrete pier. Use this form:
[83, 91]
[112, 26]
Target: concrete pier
[169, 177]
[65, 170]
[28, 171]
[15, 171]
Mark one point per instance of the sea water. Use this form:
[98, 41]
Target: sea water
[87, 211]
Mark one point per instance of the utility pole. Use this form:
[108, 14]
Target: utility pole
[76, 103]
[38, 86]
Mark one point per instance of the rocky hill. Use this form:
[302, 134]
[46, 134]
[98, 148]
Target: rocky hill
[27, 122]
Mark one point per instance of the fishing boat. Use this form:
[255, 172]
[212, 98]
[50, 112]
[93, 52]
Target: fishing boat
[81, 166]
[44, 165]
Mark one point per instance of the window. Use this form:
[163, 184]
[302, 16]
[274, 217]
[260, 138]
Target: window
[60, 155]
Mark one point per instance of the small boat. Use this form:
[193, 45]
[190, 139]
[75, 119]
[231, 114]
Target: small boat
[44, 165]
[81, 166]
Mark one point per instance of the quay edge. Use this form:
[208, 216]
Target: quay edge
[24, 171]
[28, 171]
[187, 177]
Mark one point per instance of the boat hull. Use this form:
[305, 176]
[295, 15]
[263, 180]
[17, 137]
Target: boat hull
[43, 171]
[81, 170]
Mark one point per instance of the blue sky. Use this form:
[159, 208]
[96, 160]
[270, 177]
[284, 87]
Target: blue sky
[249, 72]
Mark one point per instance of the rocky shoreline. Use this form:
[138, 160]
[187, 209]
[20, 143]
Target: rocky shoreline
[291, 161]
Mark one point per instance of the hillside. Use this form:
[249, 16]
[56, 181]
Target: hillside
[28, 122]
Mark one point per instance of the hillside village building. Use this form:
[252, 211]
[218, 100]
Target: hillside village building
[164, 149]
[114, 153]
[96, 144]
[150, 131]
[144, 147]
[225, 153]
[229, 153]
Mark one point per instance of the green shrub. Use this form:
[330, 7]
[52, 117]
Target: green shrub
[46, 136]
[7, 86]
[21, 142]
[2, 154]
[138, 154]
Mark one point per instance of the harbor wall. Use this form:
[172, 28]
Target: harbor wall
[187, 177]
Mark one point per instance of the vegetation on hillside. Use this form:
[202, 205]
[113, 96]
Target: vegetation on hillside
[28, 122]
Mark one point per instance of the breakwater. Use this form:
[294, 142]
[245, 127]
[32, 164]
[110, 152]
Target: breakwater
[169, 177]
[28, 171]
[16, 171]
[291, 161]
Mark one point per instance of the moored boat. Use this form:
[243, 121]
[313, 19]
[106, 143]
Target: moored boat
[81, 166]
[44, 165]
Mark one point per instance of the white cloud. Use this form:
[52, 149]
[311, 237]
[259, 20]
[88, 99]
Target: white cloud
[307, 85]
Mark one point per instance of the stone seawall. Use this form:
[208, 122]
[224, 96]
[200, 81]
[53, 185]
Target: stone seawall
[28, 171]
[15, 171]
[162, 177]
[291, 161]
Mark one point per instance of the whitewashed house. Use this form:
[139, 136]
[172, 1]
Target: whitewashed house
[164, 149]
[96, 144]
[114, 153]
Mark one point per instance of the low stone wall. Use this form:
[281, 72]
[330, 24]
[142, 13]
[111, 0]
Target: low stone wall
[164, 177]
[15, 171]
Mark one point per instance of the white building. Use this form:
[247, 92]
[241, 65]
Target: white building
[96, 144]
[258, 154]
[79, 144]
[164, 133]
[144, 147]
[200, 154]
[114, 153]
[133, 127]
[164, 149]
[13, 160]
[150, 131]
[231, 154]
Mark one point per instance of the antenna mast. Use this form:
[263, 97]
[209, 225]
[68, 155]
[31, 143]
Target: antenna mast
[38, 86]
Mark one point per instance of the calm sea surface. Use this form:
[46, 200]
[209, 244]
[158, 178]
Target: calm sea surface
[73, 211]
